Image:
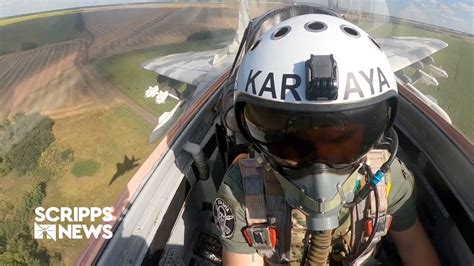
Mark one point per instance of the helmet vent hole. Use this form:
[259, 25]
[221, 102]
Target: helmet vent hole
[280, 33]
[374, 42]
[255, 45]
[315, 26]
[350, 31]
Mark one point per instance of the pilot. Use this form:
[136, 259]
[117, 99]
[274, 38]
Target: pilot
[316, 98]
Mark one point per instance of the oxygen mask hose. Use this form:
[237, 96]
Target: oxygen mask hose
[320, 247]
[374, 179]
[376, 220]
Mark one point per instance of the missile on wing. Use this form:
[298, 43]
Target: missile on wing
[436, 71]
[431, 102]
[428, 79]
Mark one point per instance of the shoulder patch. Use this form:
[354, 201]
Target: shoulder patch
[224, 218]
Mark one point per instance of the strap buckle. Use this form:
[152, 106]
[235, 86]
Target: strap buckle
[382, 226]
[261, 236]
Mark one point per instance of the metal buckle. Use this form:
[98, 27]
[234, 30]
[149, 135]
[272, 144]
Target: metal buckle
[261, 236]
[381, 225]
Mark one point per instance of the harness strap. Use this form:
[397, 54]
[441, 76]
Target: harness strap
[253, 187]
[267, 213]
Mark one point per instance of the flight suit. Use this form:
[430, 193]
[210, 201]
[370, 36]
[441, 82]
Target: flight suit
[230, 202]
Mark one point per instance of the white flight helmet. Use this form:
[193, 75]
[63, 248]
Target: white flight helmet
[315, 89]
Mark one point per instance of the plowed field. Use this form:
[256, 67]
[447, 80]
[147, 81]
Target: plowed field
[58, 79]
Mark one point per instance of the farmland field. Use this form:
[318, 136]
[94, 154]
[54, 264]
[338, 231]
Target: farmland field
[48, 66]
[120, 133]
[29, 34]
[122, 31]
[51, 80]
[82, 69]
[126, 73]
[21, 18]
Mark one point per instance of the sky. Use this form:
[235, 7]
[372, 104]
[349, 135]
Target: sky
[18, 7]
[458, 15]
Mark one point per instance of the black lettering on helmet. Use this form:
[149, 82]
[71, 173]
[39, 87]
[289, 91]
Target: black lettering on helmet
[353, 89]
[251, 80]
[381, 75]
[265, 88]
[285, 86]
[370, 81]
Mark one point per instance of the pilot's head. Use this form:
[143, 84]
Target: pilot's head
[315, 89]
[315, 92]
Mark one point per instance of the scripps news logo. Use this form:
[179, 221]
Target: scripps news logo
[70, 223]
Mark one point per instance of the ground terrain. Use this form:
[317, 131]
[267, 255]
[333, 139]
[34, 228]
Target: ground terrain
[120, 132]
[83, 70]
[118, 69]
[47, 66]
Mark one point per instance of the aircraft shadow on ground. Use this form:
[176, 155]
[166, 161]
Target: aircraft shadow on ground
[122, 168]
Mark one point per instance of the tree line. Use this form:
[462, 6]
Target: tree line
[23, 139]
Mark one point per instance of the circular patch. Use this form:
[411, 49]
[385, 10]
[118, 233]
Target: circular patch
[224, 218]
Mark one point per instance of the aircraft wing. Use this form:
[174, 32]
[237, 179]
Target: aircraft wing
[405, 51]
[189, 67]
[199, 68]
[415, 52]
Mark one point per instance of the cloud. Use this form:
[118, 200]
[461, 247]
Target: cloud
[412, 11]
[464, 7]
[439, 14]
[431, 2]
[447, 10]
[427, 3]
[449, 18]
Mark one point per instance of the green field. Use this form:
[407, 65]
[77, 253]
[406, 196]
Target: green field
[13, 20]
[85, 168]
[119, 132]
[94, 155]
[126, 73]
[31, 33]
[455, 94]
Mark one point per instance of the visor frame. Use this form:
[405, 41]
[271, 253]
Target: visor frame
[242, 99]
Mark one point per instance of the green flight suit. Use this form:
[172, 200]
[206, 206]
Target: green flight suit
[401, 205]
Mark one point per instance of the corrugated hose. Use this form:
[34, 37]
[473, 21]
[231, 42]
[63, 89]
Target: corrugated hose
[319, 249]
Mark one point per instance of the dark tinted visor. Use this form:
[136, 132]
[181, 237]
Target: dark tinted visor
[298, 138]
